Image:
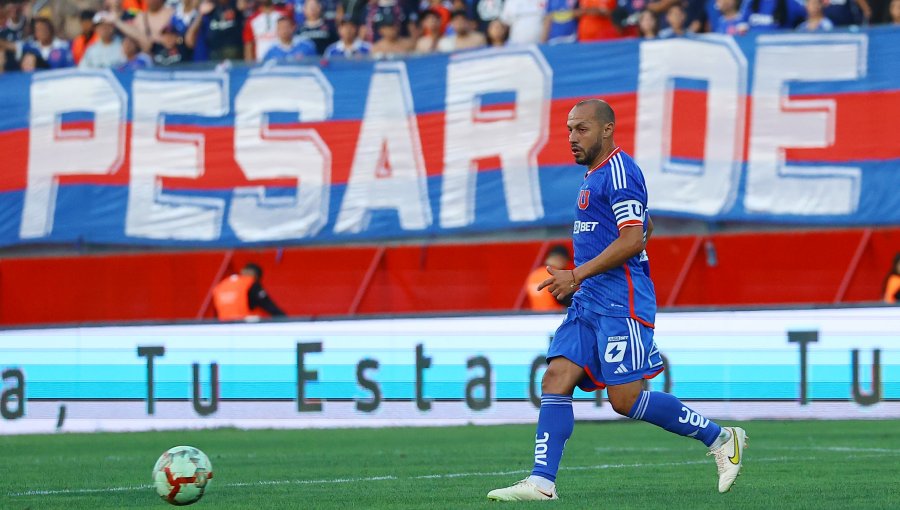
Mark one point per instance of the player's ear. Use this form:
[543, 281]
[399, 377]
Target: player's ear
[608, 129]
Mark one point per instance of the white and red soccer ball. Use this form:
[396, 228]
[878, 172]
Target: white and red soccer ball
[181, 475]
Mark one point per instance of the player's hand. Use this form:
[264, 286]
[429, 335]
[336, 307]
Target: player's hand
[206, 8]
[561, 282]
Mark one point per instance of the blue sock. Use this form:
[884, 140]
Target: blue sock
[666, 411]
[555, 425]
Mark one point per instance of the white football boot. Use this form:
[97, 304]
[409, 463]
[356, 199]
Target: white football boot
[523, 490]
[729, 457]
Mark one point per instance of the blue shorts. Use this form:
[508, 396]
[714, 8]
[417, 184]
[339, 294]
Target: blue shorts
[612, 350]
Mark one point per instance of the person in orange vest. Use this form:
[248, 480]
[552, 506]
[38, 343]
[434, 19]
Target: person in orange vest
[542, 300]
[238, 295]
[87, 37]
[892, 283]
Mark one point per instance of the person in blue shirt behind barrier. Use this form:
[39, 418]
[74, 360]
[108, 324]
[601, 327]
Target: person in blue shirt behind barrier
[350, 45]
[289, 47]
[729, 21]
[560, 22]
[815, 18]
[53, 51]
[765, 15]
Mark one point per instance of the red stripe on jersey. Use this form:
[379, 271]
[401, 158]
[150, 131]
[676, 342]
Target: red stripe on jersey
[630, 223]
[631, 298]
[654, 374]
[605, 161]
[597, 383]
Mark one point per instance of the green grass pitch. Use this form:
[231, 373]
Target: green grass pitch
[621, 465]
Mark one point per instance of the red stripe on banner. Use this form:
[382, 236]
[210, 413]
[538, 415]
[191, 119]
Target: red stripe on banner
[14, 147]
[860, 133]
[857, 138]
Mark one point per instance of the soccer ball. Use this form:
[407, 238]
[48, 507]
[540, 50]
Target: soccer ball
[181, 475]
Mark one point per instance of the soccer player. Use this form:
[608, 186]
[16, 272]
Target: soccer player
[606, 339]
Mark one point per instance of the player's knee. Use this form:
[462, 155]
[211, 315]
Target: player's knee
[621, 404]
[556, 381]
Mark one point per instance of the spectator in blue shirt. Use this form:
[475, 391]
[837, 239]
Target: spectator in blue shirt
[134, 58]
[765, 15]
[55, 52]
[815, 18]
[350, 45]
[314, 28]
[677, 19]
[729, 21]
[217, 31]
[12, 31]
[847, 12]
[647, 25]
[289, 48]
[560, 23]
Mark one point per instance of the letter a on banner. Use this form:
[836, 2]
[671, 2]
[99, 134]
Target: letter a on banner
[388, 169]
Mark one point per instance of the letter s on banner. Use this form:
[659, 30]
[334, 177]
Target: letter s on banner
[708, 188]
[265, 153]
[516, 135]
[54, 151]
[388, 169]
[157, 153]
[779, 122]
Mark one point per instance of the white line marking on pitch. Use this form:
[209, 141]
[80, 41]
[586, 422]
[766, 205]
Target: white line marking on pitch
[877, 452]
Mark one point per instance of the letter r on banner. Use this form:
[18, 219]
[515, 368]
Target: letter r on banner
[515, 134]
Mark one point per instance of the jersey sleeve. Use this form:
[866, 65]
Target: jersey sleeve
[627, 193]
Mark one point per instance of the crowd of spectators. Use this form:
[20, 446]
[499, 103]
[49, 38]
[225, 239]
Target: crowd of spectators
[136, 34]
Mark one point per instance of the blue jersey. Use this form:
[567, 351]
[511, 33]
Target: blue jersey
[563, 23]
[298, 50]
[612, 197]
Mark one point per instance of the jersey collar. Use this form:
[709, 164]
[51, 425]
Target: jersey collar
[605, 161]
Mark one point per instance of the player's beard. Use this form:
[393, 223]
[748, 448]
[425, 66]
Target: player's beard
[588, 155]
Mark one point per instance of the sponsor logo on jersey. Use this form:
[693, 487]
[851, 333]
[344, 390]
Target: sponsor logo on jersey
[584, 226]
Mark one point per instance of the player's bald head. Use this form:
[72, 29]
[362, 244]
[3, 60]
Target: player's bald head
[600, 109]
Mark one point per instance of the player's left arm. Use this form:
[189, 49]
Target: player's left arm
[563, 282]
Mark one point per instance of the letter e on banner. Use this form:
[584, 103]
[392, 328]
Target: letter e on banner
[158, 153]
[779, 122]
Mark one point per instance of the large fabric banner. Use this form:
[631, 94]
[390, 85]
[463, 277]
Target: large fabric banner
[775, 128]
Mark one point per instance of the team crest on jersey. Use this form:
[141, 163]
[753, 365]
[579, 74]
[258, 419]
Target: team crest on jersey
[583, 199]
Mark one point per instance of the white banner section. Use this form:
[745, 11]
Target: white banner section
[828, 364]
